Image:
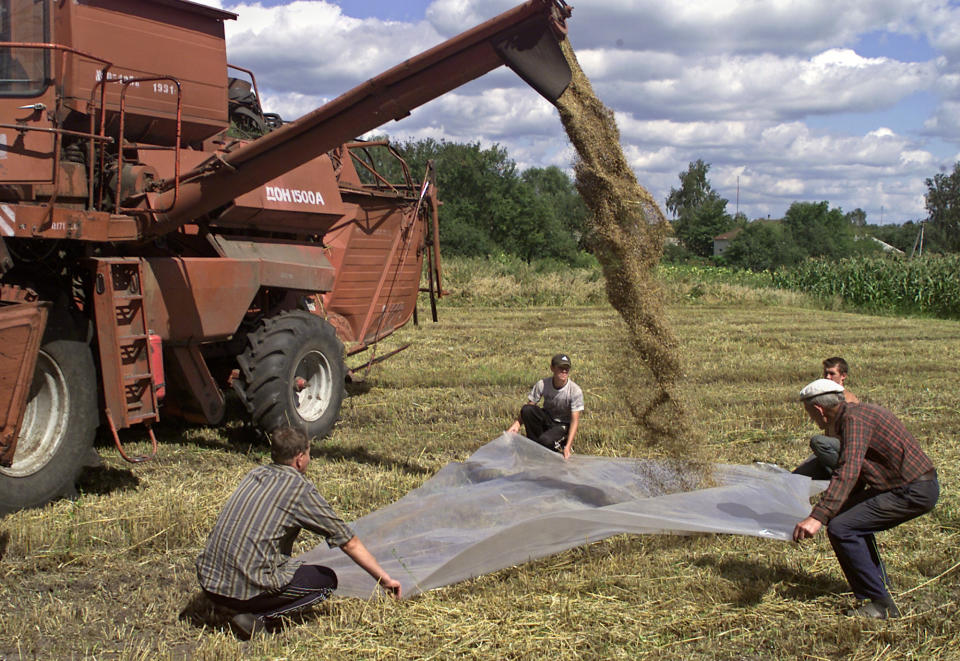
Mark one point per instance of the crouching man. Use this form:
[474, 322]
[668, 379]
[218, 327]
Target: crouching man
[246, 565]
[826, 447]
[555, 425]
[882, 479]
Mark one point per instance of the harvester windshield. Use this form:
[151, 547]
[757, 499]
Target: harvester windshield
[23, 71]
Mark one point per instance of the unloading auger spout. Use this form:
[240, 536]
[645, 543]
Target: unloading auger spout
[525, 38]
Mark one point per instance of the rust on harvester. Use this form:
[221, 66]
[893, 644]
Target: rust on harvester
[163, 239]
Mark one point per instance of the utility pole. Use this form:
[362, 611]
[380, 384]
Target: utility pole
[918, 242]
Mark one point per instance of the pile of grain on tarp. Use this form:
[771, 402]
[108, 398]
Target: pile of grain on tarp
[628, 233]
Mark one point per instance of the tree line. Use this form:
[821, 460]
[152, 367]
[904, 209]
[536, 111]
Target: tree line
[491, 207]
[808, 229]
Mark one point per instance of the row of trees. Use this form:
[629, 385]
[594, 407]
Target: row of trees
[943, 207]
[808, 229]
[491, 207]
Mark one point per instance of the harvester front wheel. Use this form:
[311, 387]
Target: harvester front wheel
[59, 424]
[292, 374]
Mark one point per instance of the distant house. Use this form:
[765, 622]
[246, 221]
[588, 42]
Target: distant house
[722, 241]
[670, 236]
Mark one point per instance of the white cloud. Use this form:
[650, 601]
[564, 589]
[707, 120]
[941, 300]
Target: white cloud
[775, 92]
[291, 105]
[660, 160]
[495, 114]
[706, 26]
[945, 122]
[764, 86]
[312, 46]
[938, 20]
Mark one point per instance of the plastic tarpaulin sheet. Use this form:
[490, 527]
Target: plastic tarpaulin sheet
[513, 501]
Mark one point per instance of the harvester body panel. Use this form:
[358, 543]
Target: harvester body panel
[182, 42]
[305, 199]
[378, 259]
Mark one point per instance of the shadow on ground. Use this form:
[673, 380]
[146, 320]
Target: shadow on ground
[238, 437]
[200, 612]
[365, 456]
[357, 388]
[102, 480]
[752, 580]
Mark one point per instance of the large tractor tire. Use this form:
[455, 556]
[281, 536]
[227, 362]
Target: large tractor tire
[292, 374]
[59, 425]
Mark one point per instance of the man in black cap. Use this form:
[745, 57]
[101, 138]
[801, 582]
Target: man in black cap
[882, 479]
[555, 425]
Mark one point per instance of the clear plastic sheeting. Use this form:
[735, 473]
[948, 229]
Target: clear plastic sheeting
[513, 501]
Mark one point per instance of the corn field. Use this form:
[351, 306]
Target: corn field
[928, 286]
[691, 273]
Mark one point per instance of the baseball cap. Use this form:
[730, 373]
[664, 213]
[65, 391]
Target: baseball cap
[560, 360]
[819, 387]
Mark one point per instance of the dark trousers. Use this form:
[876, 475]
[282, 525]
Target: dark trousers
[866, 512]
[826, 454]
[311, 584]
[543, 429]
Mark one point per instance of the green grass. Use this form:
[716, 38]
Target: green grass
[106, 575]
[508, 282]
[890, 285]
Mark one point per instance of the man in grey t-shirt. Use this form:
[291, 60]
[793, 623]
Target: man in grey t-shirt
[555, 425]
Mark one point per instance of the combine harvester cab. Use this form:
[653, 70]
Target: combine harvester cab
[163, 239]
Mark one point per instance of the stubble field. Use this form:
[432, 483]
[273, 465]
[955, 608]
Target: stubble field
[105, 576]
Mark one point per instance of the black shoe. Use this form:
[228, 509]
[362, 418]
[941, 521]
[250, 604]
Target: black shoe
[876, 610]
[246, 625]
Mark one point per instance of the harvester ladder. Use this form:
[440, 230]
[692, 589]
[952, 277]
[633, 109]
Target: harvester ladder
[129, 387]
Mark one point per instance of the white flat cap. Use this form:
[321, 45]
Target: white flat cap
[819, 387]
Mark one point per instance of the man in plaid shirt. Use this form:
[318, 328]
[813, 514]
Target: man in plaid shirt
[882, 479]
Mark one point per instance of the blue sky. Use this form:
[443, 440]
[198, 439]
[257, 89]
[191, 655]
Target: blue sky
[387, 10]
[855, 103]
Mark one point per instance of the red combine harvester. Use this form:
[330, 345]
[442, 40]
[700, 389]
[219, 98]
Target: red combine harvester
[162, 238]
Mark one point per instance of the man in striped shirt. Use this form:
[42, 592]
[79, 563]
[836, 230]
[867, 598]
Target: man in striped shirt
[882, 479]
[246, 565]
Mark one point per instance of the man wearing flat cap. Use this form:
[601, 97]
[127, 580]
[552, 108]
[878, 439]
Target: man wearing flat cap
[826, 447]
[882, 479]
[555, 425]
